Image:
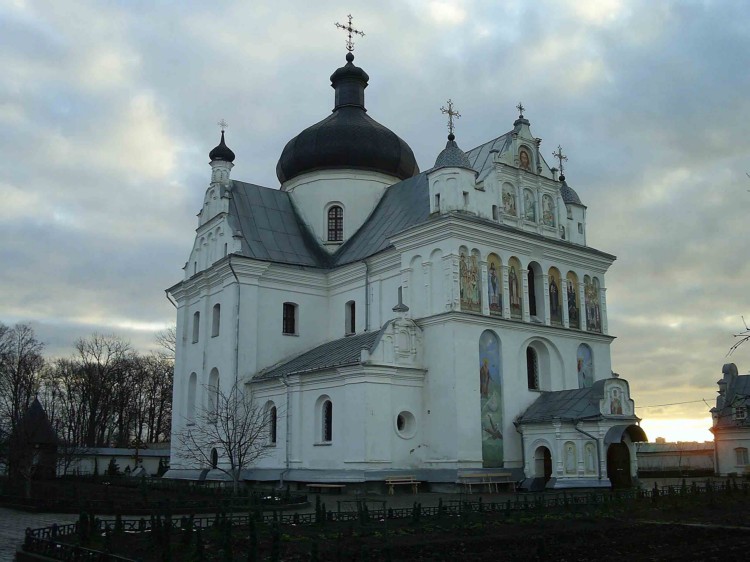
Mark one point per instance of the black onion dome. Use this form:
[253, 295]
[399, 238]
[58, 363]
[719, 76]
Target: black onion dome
[452, 156]
[221, 152]
[348, 138]
[568, 194]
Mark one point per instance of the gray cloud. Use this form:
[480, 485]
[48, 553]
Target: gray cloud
[107, 114]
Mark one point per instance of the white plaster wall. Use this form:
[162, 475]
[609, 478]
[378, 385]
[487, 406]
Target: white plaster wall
[357, 191]
[726, 441]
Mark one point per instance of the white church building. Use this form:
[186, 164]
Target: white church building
[432, 323]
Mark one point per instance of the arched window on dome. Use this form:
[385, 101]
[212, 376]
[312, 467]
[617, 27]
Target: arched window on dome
[335, 224]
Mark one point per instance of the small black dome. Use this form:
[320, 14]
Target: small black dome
[568, 194]
[221, 152]
[452, 156]
[348, 138]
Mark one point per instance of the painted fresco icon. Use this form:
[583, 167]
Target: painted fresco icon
[593, 309]
[615, 404]
[514, 292]
[554, 300]
[494, 285]
[470, 283]
[573, 319]
[490, 400]
[548, 215]
[524, 160]
[509, 201]
[529, 206]
[585, 366]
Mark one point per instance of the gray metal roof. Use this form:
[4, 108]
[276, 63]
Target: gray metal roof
[270, 227]
[480, 157]
[344, 351]
[567, 405]
[569, 194]
[452, 156]
[678, 447]
[404, 204]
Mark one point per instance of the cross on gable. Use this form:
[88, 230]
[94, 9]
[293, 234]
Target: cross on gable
[349, 29]
[451, 114]
[560, 158]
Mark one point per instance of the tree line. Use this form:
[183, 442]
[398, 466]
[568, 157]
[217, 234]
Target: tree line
[104, 394]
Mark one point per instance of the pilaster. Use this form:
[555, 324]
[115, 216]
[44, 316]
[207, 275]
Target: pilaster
[603, 307]
[582, 308]
[506, 291]
[427, 275]
[405, 292]
[564, 290]
[484, 299]
[545, 300]
[525, 289]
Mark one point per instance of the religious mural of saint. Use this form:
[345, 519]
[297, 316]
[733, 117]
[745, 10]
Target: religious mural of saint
[529, 206]
[468, 269]
[593, 310]
[494, 285]
[615, 405]
[509, 201]
[490, 398]
[554, 300]
[524, 160]
[515, 293]
[585, 366]
[572, 304]
[548, 215]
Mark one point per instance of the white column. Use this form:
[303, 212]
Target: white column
[525, 290]
[582, 308]
[426, 276]
[603, 309]
[405, 293]
[484, 289]
[545, 304]
[452, 288]
[506, 291]
[564, 290]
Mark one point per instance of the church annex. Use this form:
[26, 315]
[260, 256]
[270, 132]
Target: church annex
[398, 321]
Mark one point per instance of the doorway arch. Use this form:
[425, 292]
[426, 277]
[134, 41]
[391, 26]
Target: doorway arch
[543, 463]
[618, 465]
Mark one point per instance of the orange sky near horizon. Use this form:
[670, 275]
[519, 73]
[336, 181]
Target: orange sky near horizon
[678, 429]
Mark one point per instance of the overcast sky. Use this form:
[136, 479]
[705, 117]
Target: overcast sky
[108, 110]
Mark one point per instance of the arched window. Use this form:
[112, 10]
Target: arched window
[196, 326]
[351, 317]
[327, 419]
[272, 423]
[213, 393]
[192, 387]
[532, 292]
[214, 458]
[216, 320]
[335, 224]
[532, 368]
[289, 319]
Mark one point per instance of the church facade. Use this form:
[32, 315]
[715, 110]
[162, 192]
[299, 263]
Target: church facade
[394, 321]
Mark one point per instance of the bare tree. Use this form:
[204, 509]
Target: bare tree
[233, 424]
[743, 337]
[167, 339]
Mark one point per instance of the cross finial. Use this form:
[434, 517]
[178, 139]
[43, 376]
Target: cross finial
[520, 109]
[561, 158]
[348, 28]
[451, 115]
[223, 125]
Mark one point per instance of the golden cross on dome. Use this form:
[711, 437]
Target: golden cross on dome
[520, 109]
[561, 158]
[348, 28]
[223, 124]
[451, 114]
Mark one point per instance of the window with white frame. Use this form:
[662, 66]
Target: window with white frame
[335, 224]
[196, 326]
[216, 320]
[327, 422]
[289, 319]
[351, 318]
[532, 368]
[742, 458]
[272, 422]
[740, 413]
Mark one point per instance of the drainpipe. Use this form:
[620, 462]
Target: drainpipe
[287, 437]
[236, 337]
[367, 296]
[523, 450]
[598, 450]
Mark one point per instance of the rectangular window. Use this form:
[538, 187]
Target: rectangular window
[437, 202]
[216, 320]
[742, 459]
[335, 224]
[289, 320]
[740, 413]
[466, 198]
[580, 228]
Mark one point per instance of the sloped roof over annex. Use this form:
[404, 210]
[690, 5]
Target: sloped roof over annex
[271, 229]
[336, 353]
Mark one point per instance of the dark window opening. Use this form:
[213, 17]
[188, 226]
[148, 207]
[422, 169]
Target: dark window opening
[214, 458]
[327, 420]
[335, 224]
[289, 320]
[351, 317]
[532, 369]
[272, 425]
[532, 292]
